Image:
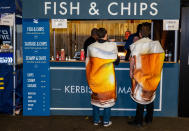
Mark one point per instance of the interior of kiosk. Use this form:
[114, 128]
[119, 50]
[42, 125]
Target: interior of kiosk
[72, 38]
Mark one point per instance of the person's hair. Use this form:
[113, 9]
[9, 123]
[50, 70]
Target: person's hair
[101, 32]
[138, 29]
[94, 31]
[145, 29]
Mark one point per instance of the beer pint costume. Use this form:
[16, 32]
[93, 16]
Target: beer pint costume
[148, 62]
[101, 74]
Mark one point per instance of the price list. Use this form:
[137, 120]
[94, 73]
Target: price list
[36, 86]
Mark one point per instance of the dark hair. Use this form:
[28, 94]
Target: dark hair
[101, 32]
[145, 29]
[94, 31]
[139, 26]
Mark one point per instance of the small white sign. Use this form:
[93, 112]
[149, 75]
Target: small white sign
[7, 19]
[170, 24]
[59, 23]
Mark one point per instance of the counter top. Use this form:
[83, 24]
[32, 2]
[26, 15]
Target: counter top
[78, 61]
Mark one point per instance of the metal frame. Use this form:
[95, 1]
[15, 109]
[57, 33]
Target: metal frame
[176, 46]
[14, 64]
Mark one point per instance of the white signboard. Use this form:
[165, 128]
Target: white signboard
[7, 19]
[59, 23]
[170, 24]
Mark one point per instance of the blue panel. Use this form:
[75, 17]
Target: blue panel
[70, 94]
[6, 57]
[7, 6]
[36, 67]
[6, 88]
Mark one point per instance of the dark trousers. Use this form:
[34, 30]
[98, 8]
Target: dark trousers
[140, 112]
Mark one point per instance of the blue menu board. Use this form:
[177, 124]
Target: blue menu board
[36, 86]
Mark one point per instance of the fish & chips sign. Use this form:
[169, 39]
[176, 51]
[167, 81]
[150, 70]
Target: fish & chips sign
[102, 9]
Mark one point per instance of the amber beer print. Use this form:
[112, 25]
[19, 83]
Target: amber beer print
[147, 78]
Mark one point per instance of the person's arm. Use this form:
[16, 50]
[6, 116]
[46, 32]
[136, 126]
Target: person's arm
[127, 48]
[132, 63]
[117, 61]
[128, 54]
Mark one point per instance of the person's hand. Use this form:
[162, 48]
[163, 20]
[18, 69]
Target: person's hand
[135, 38]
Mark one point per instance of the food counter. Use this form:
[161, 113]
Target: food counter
[70, 94]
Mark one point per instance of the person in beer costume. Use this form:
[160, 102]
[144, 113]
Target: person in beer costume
[146, 62]
[101, 76]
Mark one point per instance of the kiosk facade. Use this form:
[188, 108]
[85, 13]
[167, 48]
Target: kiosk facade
[60, 88]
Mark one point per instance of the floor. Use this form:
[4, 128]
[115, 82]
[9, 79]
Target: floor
[84, 123]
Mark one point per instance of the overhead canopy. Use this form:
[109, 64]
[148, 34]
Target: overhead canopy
[102, 9]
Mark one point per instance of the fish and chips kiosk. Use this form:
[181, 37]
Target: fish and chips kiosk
[53, 85]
